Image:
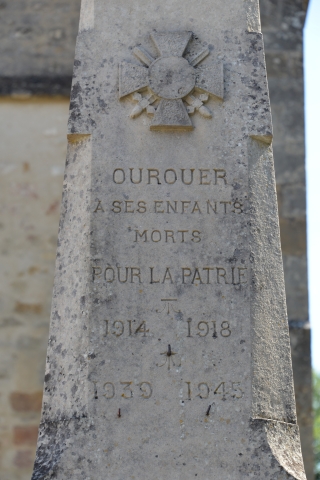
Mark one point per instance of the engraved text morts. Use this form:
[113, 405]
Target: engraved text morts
[168, 354]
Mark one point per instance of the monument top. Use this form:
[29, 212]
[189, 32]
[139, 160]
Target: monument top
[169, 354]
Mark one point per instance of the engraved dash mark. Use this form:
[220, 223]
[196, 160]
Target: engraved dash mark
[168, 305]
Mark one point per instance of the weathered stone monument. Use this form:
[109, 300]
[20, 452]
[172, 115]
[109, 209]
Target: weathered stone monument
[169, 352]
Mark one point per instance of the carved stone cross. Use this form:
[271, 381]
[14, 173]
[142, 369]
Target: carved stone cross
[171, 79]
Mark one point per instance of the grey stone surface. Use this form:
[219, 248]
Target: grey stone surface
[282, 26]
[169, 351]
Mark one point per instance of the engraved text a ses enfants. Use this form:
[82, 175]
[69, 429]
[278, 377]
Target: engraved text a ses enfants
[194, 207]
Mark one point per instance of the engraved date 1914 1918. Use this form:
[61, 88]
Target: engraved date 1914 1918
[131, 328]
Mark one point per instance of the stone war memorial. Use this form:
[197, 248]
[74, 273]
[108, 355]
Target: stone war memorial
[169, 351]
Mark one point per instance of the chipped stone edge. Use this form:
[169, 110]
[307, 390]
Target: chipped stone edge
[60, 425]
[86, 15]
[273, 403]
[283, 442]
[253, 15]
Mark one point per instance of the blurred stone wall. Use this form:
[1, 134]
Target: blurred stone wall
[37, 40]
[36, 58]
[32, 153]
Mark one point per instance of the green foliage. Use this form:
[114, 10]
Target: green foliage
[316, 424]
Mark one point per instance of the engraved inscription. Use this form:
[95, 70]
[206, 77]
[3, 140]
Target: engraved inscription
[205, 328]
[130, 328]
[168, 305]
[155, 205]
[167, 236]
[218, 275]
[126, 390]
[197, 207]
[204, 390]
[170, 176]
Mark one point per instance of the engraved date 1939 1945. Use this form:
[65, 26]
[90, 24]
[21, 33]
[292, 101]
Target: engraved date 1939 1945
[144, 390]
[131, 328]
